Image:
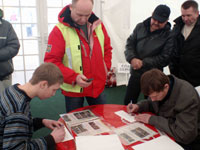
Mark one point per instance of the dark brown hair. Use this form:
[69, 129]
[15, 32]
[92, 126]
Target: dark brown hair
[190, 3]
[153, 80]
[47, 72]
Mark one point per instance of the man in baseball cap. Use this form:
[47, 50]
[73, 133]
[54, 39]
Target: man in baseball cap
[149, 46]
[161, 13]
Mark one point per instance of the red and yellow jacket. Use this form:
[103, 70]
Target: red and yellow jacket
[95, 61]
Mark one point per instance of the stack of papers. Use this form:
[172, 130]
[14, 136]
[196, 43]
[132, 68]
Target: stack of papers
[100, 142]
[160, 143]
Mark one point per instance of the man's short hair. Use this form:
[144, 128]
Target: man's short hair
[47, 72]
[190, 3]
[153, 80]
[75, 1]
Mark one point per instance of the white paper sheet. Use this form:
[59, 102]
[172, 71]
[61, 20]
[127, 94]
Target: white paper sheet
[68, 135]
[124, 115]
[160, 143]
[100, 142]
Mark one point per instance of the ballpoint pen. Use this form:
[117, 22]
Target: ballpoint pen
[131, 106]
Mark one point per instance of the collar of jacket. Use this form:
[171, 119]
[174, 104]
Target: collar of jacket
[147, 25]
[180, 22]
[65, 17]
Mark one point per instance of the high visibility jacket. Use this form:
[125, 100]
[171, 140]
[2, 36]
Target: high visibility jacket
[93, 54]
[73, 51]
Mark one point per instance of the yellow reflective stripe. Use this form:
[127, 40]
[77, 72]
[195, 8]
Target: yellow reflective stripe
[100, 36]
[72, 52]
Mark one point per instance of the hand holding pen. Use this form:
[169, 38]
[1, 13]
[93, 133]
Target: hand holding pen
[132, 108]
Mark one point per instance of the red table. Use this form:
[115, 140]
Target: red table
[107, 112]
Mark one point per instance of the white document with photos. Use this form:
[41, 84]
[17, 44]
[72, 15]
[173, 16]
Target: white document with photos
[134, 132]
[92, 127]
[99, 142]
[78, 117]
[124, 115]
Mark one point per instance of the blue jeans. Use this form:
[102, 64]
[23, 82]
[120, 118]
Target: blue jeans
[72, 103]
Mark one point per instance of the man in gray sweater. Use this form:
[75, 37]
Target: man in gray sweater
[176, 105]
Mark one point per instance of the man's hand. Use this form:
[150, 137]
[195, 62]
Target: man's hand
[132, 108]
[58, 134]
[136, 63]
[81, 80]
[52, 124]
[143, 118]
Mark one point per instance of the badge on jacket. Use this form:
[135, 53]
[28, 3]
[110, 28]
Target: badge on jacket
[48, 48]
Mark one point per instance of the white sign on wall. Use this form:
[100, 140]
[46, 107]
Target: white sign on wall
[123, 68]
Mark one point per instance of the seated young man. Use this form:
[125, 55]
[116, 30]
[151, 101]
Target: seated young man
[16, 123]
[175, 103]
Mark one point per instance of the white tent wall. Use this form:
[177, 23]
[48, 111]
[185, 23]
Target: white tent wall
[120, 18]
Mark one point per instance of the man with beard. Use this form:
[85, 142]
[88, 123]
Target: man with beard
[149, 46]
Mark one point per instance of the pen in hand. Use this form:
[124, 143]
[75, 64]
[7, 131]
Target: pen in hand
[130, 107]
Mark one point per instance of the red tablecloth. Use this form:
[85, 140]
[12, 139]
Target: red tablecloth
[107, 112]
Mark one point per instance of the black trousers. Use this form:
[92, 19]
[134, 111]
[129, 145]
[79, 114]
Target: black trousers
[195, 145]
[133, 89]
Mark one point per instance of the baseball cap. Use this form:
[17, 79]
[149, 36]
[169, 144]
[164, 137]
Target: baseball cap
[161, 13]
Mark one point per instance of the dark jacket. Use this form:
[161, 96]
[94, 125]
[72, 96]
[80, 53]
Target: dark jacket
[178, 115]
[153, 48]
[185, 62]
[9, 47]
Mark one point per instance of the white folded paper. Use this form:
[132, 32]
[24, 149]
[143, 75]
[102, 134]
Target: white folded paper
[68, 135]
[124, 115]
[99, 142]
[160, 143]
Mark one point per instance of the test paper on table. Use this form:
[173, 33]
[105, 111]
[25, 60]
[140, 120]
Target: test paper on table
[125, 116]
[160, 143]
[99, 142]
[68, 135]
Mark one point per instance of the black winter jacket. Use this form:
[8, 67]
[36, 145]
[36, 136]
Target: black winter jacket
[185, 62]
[9, 47]
[153, 48]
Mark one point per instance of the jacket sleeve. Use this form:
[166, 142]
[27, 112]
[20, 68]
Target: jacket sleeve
[17, 135]
[12, 45]
[55, 52]
[145, 106]
[175, 56]
[161, 60]
[107, 48]
[184, 126]
[130, 48]
[37, 123]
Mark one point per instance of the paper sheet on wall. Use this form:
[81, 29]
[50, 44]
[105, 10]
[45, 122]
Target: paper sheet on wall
[100, 142]
[160, 143]
[68, 136]
[124, 115]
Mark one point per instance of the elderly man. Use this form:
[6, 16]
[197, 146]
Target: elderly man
[185, 62]
[149, 46]
[176, 105]
[80, 46]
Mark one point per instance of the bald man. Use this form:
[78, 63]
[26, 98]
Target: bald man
[80, 46]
